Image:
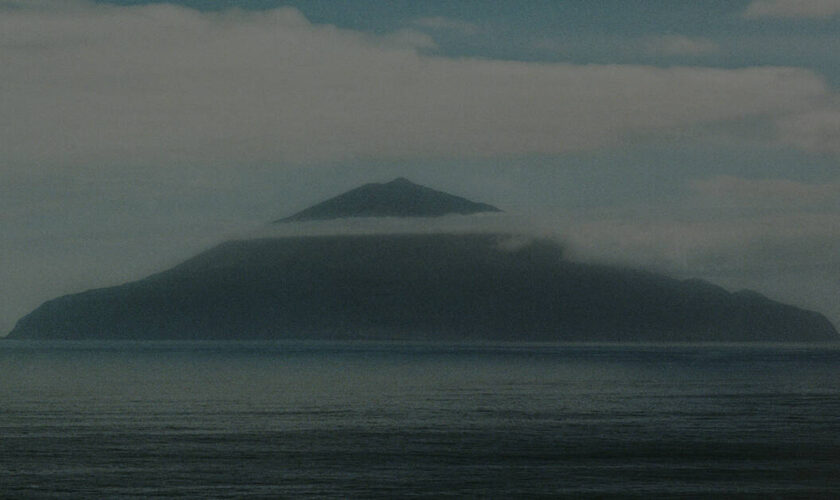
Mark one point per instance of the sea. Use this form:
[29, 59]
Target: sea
[417, 420]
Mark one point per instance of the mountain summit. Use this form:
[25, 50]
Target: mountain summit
[398, 198]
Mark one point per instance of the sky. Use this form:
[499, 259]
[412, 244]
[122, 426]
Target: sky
[698, 139]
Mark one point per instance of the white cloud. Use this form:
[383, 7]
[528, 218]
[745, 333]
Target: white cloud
[162, 85]
[810, 9]
[513, 225]
[678, 45]
[733, 245]
[778, 194]
[410, 39]
[816, 131]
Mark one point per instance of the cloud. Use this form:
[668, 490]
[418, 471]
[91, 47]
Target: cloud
[808, 9]
[489, 223]
[790, 254]
[678, 45]
[779, 194]
[816, 131]
[748, 244]
[793, 258]
[410, 39]
[93, 84]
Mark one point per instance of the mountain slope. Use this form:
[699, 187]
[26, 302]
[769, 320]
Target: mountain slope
[439, 286]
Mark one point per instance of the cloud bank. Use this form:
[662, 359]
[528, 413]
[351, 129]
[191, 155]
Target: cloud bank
[815, 131]
[781, 195]
[158, 84]
[679, 45]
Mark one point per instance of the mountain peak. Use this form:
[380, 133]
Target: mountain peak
[397, 198]
[401, 181]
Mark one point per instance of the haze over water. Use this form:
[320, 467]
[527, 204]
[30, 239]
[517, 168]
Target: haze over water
[394, 419]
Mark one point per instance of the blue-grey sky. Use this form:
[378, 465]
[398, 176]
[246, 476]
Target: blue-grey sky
[602, 32]
[696, 138]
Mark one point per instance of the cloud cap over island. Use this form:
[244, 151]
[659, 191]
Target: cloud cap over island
[429, 285]
[698, 140]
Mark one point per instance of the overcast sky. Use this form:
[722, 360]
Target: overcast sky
[701, 139]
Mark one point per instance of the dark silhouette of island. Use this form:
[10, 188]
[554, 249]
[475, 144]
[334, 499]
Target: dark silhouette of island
[414, 286]
[398, 198]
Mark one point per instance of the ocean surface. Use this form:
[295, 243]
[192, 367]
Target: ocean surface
[305, 419]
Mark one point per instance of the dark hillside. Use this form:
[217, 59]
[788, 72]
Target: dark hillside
[416, 287]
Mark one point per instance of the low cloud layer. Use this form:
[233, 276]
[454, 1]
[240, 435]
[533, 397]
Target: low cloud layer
[678, 45]
[158, 84]
[786, 234]
[816, 131]
[780, 195]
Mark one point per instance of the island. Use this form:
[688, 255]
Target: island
[409, 286]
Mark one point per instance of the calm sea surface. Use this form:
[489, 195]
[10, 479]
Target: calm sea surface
[297, 419]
